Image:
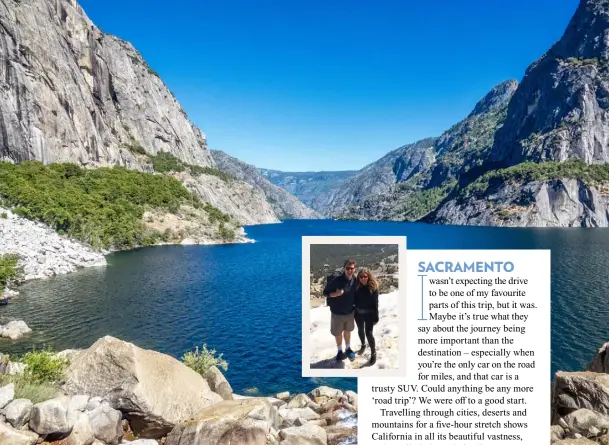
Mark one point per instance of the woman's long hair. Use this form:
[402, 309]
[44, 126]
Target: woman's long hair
[373, 283]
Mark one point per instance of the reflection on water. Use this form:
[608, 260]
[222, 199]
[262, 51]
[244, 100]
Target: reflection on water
[245, 300]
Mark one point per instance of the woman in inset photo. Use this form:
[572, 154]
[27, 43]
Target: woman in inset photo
[367, 311]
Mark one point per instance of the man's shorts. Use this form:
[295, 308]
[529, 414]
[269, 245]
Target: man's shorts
[342, 323]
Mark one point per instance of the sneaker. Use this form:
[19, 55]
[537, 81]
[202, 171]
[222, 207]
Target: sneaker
[340, 356]
[361, 350]
[372, 358]
[349, 353]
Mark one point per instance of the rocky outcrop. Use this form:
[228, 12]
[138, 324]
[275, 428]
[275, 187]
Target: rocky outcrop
[552, 203]
[284, 204]
[559, 110]
[14, 330]
[246, 204]
[314, 189]
[153, 390]
[75, 94]
[43, 253]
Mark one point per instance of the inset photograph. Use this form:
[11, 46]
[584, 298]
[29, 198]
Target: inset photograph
[352, 306]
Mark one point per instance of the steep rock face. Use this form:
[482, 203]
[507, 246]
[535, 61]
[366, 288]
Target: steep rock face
[70, 93]
[561, 108]
[461, 148]
[315, 189]
[563, 202]
[245, 203]
[285, 205]
[378, 178]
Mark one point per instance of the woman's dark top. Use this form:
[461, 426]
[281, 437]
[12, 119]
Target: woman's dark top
[366, 302]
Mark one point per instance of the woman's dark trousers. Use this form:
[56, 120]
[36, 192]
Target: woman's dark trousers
[365, 323]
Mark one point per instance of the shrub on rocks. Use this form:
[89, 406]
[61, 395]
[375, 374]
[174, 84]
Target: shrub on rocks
[201, 361]
[44, 366]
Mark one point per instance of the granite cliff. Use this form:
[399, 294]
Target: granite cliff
[74, 94]
[548, 164]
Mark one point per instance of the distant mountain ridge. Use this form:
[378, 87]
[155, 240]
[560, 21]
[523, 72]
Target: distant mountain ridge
[284, 204]
[315, 189]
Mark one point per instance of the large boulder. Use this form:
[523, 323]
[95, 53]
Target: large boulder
[11, 436]
[218, 383]
[586, 422]
[153, 390]
[575, 390]
[246, 422]
[50, 419]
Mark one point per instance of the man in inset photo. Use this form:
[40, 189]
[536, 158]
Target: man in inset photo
[340, 292]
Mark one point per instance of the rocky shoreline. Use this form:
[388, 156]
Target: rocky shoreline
[43, 253]
[115, 392]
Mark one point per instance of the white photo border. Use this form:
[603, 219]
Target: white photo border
[307, 241]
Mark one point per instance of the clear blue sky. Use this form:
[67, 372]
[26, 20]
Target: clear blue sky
[331, 85]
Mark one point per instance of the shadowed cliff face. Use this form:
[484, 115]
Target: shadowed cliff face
[560, 109]
[70, 93]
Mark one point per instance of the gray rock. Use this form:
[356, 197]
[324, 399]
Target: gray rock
[141, 442]
[247, 421]
[17, 413]
[326, 391]
[7, 394]
[154, 390]
[586, 422]
[50, 419]
[106, 424]
[299, 401]
[218, 383]
[78, 403]
[556, 433]
[304, 435]
[295, 413]
[93, 403]
[82, 432]
[283, 395]
[575, 390]
[11, 436]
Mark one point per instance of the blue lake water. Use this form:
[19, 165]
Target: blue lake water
[245, 300]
